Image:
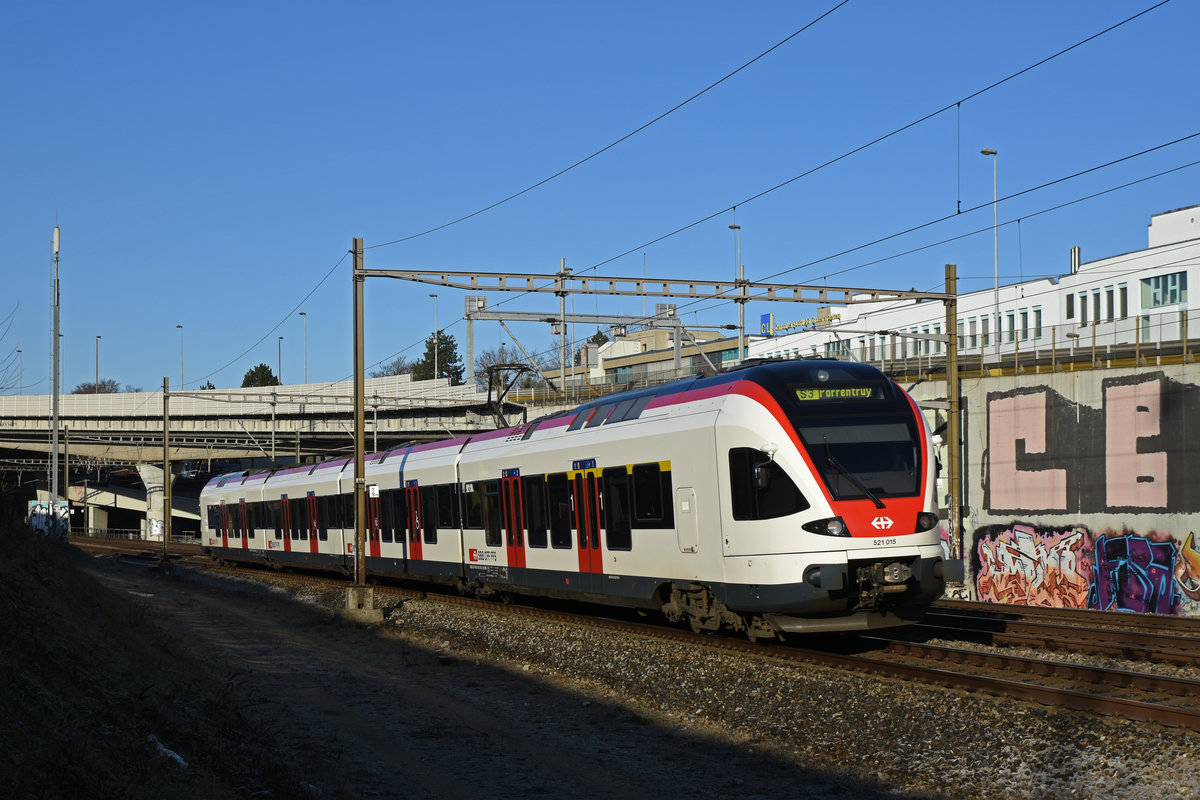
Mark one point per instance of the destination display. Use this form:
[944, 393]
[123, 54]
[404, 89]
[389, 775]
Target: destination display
[821, 393]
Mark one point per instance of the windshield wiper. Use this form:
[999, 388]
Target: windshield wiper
[850, 476]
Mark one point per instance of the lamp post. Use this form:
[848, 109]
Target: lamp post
[304, 316]
[97, 384]
[180, 327]
[20, 373]
[279, 361]
[436, 337]
[995, 249]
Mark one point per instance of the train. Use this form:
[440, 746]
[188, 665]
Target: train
[775, 498]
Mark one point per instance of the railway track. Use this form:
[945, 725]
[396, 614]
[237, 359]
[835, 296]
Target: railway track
[1044, 678]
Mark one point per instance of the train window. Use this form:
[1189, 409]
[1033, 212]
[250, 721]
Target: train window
[272, 514]
[472, 504]
[652, 507]
[446, 507]
[760, 487]
[621, 410]
[296, 518]
[491, 513]
[213, 513]
[317, 508]
[635, 410]
[581, 419]
[601, 414]
[347, 504]
[618, 534]
[251, 519]
[558, 492]
[534, 489]
[429, 515]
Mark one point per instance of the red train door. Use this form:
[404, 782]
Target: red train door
[373, 548]
[514, 517]
[310, 503]
[412, 498]
[587, 522]
[285, 528]
[241, 512]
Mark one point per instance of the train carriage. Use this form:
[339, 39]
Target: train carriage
[781, 497]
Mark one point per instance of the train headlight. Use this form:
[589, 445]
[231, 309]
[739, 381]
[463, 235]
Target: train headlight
[926, 521]
[834, 526]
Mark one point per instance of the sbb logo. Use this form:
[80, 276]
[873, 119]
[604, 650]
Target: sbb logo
[882, 523]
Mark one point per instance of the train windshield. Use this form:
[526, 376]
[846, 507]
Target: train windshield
[864, 458]
[858, 429]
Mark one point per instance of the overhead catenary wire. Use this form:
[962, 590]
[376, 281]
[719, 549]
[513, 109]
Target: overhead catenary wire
[613, 144]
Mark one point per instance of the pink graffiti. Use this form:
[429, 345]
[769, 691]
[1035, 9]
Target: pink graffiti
[1024, 567]
[1134, 479]
[1021, 418]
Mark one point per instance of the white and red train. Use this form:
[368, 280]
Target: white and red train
[788, 496]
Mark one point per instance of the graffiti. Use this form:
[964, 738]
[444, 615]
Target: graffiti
[49, 521]
[1022, 564]
[1133, 573]
[1048, 454]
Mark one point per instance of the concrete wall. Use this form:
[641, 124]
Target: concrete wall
[1081, 488]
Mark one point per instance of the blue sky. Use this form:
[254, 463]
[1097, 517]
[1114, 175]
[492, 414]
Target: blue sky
[209, 164]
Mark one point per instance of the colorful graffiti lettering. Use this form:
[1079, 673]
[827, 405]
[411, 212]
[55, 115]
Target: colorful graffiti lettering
[1022, 564]
[1133, 573]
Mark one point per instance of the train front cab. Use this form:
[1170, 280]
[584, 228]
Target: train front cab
[830, 523]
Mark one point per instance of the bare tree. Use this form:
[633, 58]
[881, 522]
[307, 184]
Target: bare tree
[401, 366]
[10, 362]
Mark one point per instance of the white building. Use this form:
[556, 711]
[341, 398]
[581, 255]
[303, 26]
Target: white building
[1118, 300]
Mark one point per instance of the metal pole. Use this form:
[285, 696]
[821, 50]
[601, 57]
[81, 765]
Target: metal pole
[952, 429]
[97, 364]
[166, 470]
[54, 380]
[995, 247]
[20, 373]
[304, 316]
[279, 360]
[562, 321]
[181, 384]
[435, 337]
[360, 482]
[741, 298]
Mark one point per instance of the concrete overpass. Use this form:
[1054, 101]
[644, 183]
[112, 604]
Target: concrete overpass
[277, 423]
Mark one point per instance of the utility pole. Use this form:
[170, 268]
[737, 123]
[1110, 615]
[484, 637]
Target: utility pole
[54, 381]
[166, 469]
[360, 481]
[952, 428]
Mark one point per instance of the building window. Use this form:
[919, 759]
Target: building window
[1070, 306]
[1109, 304]
[937, 345]
[1164, 290]
[1095, 306]
[1012, 326]
[985, 323]
[1083, 309]
[1037, 322]
[973, 339]
[1024, 324]
[1123, 291]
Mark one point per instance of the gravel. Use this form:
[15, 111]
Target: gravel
[908, 738]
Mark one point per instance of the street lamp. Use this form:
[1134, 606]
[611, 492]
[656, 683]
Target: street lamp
[995, 248]
[180, 355]
[436, 331]
[279, 361]
[97, 384]
[304, 316]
